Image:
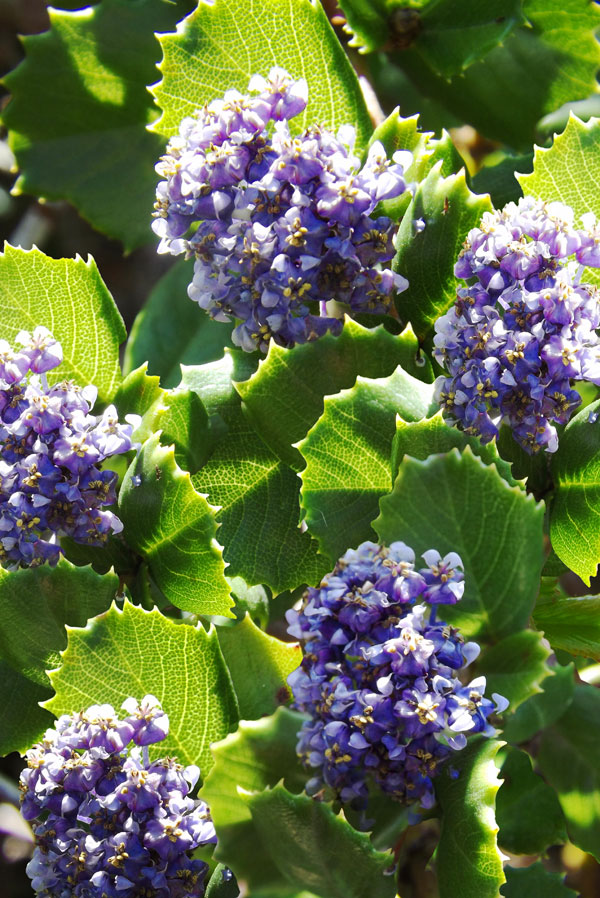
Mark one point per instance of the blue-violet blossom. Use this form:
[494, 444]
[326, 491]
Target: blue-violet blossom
[524, 328]
[51, 452]
[281, 224]
[379, 675]
[107, 822]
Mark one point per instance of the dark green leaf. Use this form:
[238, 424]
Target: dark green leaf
[542, 709]
[210, 54]
[574, 529]
[468, 861]
[568, 758]
[22, 721]
[434, 504]
[69, 297]
[347, 455]
[135, 652]
[427, 257]
[534, 882]
[171, 330]
[284, 397]
[258, 494]
[571, 624]
[173, 527]
[527, 809]
[258, 755]
[312, 847]
[259, 666]
[183, 422]
[77, 120]
[222, 884]
[500, 180]
[516, 666]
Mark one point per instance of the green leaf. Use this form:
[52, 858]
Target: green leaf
[184, 423]
[313, 847]
[544, 708]
[427, 258]
[259, 666]
[137, 393]
[77, 119]
[210, 54]
[571, 624]
[527, 809]
[173, 528]
[434, 504]
[69, 297]
[367, 22]
[135, 652]
[574, 530]
[347, 455]
[35, 606]
[456, 33]
[516, 666]
[568, 759]
[550, 60]
[468, 861]
[501, 180]
[171, 330]
[22, 721]
[284, 397]
[222, 884]
[535, 882]
[569, 170]
[258, 755]
[429, 436]
[258, 495]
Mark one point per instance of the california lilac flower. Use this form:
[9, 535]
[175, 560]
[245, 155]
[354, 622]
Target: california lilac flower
[379, 675]
[284, 223]
[107, 822]
[524, 328]
[51, 452]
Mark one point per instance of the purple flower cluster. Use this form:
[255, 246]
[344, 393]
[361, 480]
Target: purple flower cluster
[51, 449]
[524, 328]
[108, 823]
[283, 222]
[378, 676]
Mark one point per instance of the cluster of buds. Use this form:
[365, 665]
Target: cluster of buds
[282, 223]
[379, 675]
[51, 450]
[524, 328]
[107, 822]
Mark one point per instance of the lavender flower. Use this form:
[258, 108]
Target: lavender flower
[51, 450]
[524, 328]
[282, 224]
[379, 675]
[107, 822]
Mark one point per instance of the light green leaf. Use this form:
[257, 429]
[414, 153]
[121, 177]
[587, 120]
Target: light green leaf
[544, 708]
[550, 60]
[135, 652]
[77, 119]
[258, 494]
[347, 455]
[259, 665]
[258, 755]
[534, 882]
[171, 330]
[568, 759]
[312, 847]
[220, 47]
[173, 528]
[527, 809]
[427, 258]
[468, 861]
[434, 504]
[571, 624]
[35, 606]
[516, 666]
[69, 297]
[429, 436]
[284, 397]
[574, 530]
